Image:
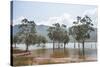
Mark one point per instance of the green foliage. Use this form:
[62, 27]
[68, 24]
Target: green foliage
[27, 32]
[82, 28]
[16, 40]
[40, 40]
[58, 33]
[51, 32]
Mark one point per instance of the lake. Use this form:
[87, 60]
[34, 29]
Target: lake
[68, 55]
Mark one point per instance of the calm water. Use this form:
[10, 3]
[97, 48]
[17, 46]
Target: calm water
[69, 52]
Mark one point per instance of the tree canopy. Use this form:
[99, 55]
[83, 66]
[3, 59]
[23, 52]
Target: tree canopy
[58, 33]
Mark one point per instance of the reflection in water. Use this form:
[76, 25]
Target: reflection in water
[46, 54]
[80, 54]
[60, 53]
[65, 53]
[40, 52]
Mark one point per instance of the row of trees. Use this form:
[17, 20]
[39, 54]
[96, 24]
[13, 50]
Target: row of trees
[80, 31]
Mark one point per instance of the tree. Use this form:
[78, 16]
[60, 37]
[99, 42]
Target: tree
[58, 34]
[40, 40]
[51, 35]
[66, 39]
[65, 36]
[15, 40]
[44, 40]
[72, 31]
[27, 32]
[82, 29]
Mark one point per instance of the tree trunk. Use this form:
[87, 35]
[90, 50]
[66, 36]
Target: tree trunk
[79, 50]
[91, 45]
[15, 45]
[58, 45]
[95, 45]
[38, 44]
[64, 46]
[53, 45]
[83, 48]
[74, 44]
[78, 45]
[26, 47]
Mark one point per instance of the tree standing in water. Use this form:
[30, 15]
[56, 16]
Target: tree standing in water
[15, 40]
[27, 32]
[82, 30]
[58, 34]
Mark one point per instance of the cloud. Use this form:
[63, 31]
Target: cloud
[18, 20]
[93, 14]
[63, 19]
[90, 12]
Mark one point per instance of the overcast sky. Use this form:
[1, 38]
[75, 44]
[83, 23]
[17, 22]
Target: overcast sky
[49, 13]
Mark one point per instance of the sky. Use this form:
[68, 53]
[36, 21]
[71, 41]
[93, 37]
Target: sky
[49, 13]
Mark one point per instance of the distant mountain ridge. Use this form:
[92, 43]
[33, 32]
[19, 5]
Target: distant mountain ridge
[42, 30]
